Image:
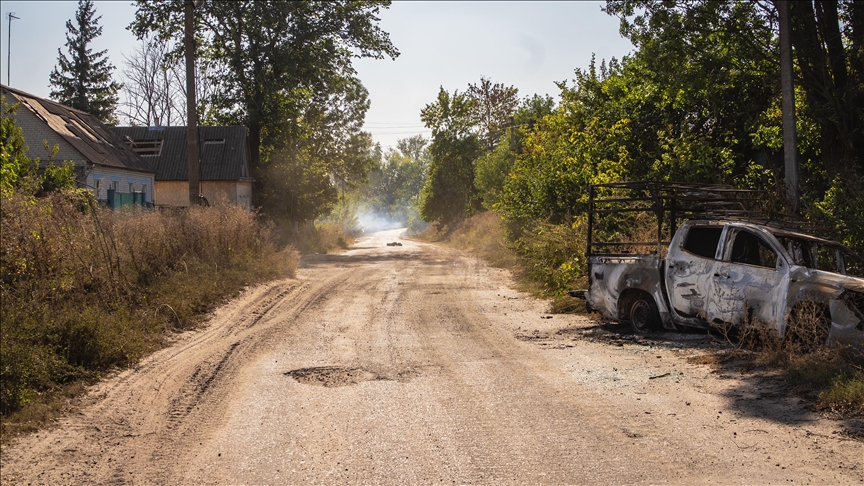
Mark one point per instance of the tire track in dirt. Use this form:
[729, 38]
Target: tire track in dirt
[403, 366]
[202, 397]
[170, 396]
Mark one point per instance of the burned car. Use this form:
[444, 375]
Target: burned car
[721, 265]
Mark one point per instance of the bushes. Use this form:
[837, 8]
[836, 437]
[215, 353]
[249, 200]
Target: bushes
[85, 289]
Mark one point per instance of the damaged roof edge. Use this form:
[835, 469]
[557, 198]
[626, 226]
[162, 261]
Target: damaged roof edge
[84, 132]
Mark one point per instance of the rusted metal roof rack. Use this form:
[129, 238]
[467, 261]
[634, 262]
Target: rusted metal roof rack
[672, 203]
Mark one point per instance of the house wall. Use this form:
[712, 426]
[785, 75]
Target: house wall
[172, 193]
[35, 130]
[128, 181]
[244, 194]
[176, 193]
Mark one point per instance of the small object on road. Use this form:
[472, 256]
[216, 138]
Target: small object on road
[394, 243]
[659, 376]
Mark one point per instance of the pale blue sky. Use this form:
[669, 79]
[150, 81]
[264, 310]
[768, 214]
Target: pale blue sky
[529, 45]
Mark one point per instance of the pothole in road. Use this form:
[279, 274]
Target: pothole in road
[333, 376]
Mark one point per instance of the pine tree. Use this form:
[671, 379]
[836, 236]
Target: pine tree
[84, 81]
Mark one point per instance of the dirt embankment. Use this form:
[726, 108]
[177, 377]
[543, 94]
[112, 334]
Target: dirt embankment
[409, 364]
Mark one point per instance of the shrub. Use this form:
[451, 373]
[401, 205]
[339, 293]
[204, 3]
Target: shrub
[85, 289]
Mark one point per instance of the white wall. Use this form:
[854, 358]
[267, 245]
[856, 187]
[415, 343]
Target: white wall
[140, 181]
[35, 131]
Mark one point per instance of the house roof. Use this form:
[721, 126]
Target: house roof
[222, 151]
[83, 131]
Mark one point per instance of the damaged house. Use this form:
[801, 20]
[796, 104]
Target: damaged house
[103, 164]
[224, 169]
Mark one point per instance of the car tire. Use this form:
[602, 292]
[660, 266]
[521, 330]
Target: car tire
[643, 315]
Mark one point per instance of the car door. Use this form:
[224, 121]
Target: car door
[749, 282]
[689, 267]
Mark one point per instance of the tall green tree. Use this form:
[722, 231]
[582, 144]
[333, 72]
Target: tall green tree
[394, 188]
[449, 194]
[492, 105]
[277, 54]
[719, 62]
[83, 80]
[493, 168]
[828, 44]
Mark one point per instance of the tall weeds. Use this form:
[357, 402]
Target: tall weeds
[85, 289]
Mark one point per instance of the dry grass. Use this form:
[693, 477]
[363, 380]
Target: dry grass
[481, 235]
[86, 289]
[546, 262]
[320, 238]
[833, 376]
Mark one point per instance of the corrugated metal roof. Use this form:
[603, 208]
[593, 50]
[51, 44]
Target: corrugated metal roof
[83, 131]
[222, 151]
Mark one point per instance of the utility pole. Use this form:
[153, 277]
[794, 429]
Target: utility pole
[11, 16]
[191, 105]
[790, 135]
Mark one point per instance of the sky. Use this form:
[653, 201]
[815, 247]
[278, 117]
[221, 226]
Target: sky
[529, 45]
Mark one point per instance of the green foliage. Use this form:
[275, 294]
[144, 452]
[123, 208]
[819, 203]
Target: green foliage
[841, 208]
[464, 126]
[297, 186]
[283, 69]
[14, 163]
[18, 172]
[844, 395]
[83, 80]
[393, 191]
[492, 105]
[449, 193]
[490, 173]
[554, 255]
[58, 178]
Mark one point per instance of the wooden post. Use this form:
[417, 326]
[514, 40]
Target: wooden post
[790, 135]
[191, 109]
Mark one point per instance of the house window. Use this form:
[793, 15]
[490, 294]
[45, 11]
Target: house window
[97, 182]
[115, 186]
[145, 148]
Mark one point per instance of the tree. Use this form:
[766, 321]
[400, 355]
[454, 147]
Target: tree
[154, 86]
[493, 168]
[14, 163]
[393, 191]
[20, 173]
[276, 54]
[449, 194]
[832, 75]
[83, 80]
[491, 108]
[716, 63]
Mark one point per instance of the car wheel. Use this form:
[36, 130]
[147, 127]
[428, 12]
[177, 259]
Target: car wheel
[643, 315]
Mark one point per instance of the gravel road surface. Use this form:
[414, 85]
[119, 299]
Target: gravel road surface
[417, 364]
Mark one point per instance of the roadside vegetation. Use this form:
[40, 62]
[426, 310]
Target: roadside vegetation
[86, 290]
[503, 175]
[698, 100]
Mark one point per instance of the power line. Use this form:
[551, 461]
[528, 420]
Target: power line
[394, 125]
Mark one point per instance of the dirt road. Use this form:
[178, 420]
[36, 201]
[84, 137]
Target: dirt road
[416, 364]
